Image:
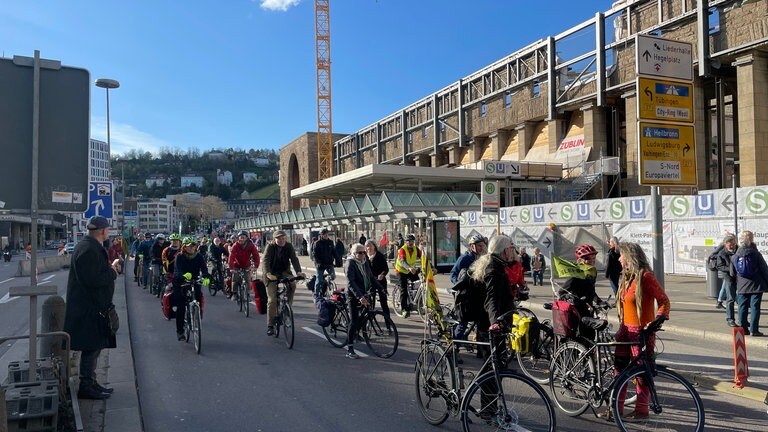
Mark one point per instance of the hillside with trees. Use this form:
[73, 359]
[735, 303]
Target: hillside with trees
[137, 167]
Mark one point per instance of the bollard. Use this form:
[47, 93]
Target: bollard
[52, 319]
[740, 364]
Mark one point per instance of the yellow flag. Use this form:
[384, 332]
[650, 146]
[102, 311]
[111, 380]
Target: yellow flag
[433, 301]
[562, 268]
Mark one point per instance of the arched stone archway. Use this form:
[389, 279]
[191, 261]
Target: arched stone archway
[294, 180]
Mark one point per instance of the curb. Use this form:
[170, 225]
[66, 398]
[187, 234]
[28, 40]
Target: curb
[699, 380]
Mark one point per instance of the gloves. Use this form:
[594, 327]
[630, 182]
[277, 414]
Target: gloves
[271, 277]
[655, 325]
[187, 276]
[206, 282]
[301, 275]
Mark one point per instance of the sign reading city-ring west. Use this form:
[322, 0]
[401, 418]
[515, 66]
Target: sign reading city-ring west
[667, 154]
[665, 100]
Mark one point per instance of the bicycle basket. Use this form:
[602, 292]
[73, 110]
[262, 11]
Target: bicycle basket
[565, 318]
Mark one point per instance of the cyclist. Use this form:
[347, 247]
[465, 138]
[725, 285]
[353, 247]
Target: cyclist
[278, 257]
[215, 253]
[169, 255]
[189, 265]
[156, 255]
[324, 256]
[145, 250]
[240, 255]
[405, 265]
[203, 248]
[478, 246]
[360, 282]
[582, 290]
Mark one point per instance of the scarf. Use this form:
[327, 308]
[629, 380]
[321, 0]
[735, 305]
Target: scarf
[366, 280]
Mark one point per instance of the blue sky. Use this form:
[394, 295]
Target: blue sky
[241, 73]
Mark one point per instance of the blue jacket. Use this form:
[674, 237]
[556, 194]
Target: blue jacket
[462, 263]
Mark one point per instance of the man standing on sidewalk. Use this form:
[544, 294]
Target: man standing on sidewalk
[90, 288]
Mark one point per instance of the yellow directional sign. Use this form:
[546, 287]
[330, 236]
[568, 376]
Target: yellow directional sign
[664, 100]
[667, 154]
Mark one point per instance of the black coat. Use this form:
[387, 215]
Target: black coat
[90, 288]
[498, 296]
[379, 266]
[324, 253]
[613, 269]
[759, 281]
[356, 279]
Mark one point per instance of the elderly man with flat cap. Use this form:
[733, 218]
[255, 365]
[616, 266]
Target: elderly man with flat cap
[278, 258]
[90, 288]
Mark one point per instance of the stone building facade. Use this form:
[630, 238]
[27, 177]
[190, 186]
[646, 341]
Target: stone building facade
[525, 106]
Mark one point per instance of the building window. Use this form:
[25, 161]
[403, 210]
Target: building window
[536, 89]
[507, 99]
[483, 109]
[410, 137]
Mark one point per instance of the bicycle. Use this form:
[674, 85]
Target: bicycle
[140, 270]
[379, 331]
[578, 381]
[192, 314]
[217, 280]
[243, 292]
[284, 316]
[496, 397]
[416, 297]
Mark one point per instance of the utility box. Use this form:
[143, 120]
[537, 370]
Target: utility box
[32, 406]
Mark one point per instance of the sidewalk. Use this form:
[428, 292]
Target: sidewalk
[693, 317]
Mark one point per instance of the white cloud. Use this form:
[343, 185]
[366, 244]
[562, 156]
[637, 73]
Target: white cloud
[125, 138]
[278, 5]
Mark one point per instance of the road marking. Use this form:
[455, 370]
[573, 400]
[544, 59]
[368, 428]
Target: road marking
[2, 282]
[710, 366]
[322, 336]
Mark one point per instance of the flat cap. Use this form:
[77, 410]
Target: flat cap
[278, 234]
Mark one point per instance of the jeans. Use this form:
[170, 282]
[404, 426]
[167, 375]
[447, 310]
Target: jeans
[88, 360]
[614, 285]
[320, 281]
[538, 275]
[752, 301]
[729, 286]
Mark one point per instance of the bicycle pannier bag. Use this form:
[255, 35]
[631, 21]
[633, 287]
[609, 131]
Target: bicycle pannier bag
[259, 295]
[565, 318]
[325, 311]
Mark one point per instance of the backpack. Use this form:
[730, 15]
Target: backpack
[744, 266]
[712, 261]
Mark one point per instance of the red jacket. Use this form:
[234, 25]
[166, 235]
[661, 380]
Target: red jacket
[240, 256]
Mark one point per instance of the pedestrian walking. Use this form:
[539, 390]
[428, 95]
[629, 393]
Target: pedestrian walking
[751, 273]
[90, 288]
[613, 269]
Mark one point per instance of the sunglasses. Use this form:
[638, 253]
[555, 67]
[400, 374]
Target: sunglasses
[360, 253]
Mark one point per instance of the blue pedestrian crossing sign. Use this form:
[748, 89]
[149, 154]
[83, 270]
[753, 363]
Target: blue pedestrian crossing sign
[99, 200]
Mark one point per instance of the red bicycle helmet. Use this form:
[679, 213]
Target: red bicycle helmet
[585, 250]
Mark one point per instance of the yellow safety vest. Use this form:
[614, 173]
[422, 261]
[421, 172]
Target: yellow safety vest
[410, 259]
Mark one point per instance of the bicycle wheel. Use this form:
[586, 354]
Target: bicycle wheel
[514, 402]
[240, 294]
[420, 305]
[435, 378]
[187, 324]
[336, 331]
[159, 290]
[571, 376]
[213, 286]
[674, 403]
[286, 318]
[197, 334]
[535, 364]
[380, 334]
[396, 300]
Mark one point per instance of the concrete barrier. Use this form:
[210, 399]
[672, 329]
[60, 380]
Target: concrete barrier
[44, 264]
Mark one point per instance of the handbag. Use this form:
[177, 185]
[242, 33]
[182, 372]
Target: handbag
[110, 321]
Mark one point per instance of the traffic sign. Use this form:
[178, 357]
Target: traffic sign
[99, 199]
[489, 197]
[667, 154]
[664, 100]
[497, 169]
[664, 58]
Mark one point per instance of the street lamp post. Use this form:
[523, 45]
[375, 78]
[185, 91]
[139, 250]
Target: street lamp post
[108, 84]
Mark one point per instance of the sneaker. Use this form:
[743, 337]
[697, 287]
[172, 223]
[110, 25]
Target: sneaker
[351, 354]
[719, 305]
[180, 336]
[92, 393]
[270, 331]
[732, 323]
[405, 314]
[606, 415]
[101, 388]
[758, 334]
[635, 416]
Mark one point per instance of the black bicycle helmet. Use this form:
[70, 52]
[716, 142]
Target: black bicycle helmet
[477, 238]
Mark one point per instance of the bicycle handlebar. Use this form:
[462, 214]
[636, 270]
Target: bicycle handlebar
[290, 279]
